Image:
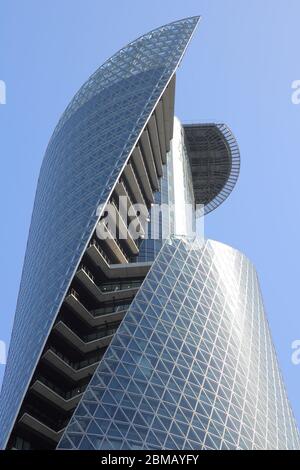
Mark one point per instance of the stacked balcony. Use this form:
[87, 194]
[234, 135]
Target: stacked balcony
[100, 293]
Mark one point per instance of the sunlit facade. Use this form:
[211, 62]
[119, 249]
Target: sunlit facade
[154, 341]
[192, 365]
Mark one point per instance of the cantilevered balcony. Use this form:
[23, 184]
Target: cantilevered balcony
[47, 392]
[134, 184]
[92, 319]
[85, 346]
[102, 294]
[112, 243]
[114, 271]
[55, 359]
[37, 426]
[142, 173]
[149, 160]
[154, 139]
[140, 216]
[125, 233]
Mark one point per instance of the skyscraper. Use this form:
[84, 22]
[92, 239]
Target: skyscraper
[138, 340]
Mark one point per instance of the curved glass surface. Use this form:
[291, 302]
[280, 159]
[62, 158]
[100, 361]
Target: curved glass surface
[83, 161]
[192, 365]
[215, 162]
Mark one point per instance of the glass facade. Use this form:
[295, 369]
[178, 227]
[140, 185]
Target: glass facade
[158, 343]
[192, 365]
[174, 210]
[84, 158]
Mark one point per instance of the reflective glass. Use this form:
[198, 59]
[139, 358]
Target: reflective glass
[197, 367]
[83, 160]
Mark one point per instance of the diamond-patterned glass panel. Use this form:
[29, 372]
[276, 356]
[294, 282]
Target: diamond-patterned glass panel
[83, 160]
[192, 365]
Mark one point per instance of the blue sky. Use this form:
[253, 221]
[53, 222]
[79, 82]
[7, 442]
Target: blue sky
[238, 69]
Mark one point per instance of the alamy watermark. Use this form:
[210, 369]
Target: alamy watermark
[2, 352]
[295, 97]
[122, 221]
[2, 343]
[296, 352]
[2, 92]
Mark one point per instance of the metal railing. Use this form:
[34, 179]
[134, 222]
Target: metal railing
[60, 391]
[116, 240]
[111, 286]
[138, 183]
[107, 310]
[94, 243]
[120, 285]
[99, 332]
[87, 272]
[54, 423]
[128, 228]
[77, 365]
